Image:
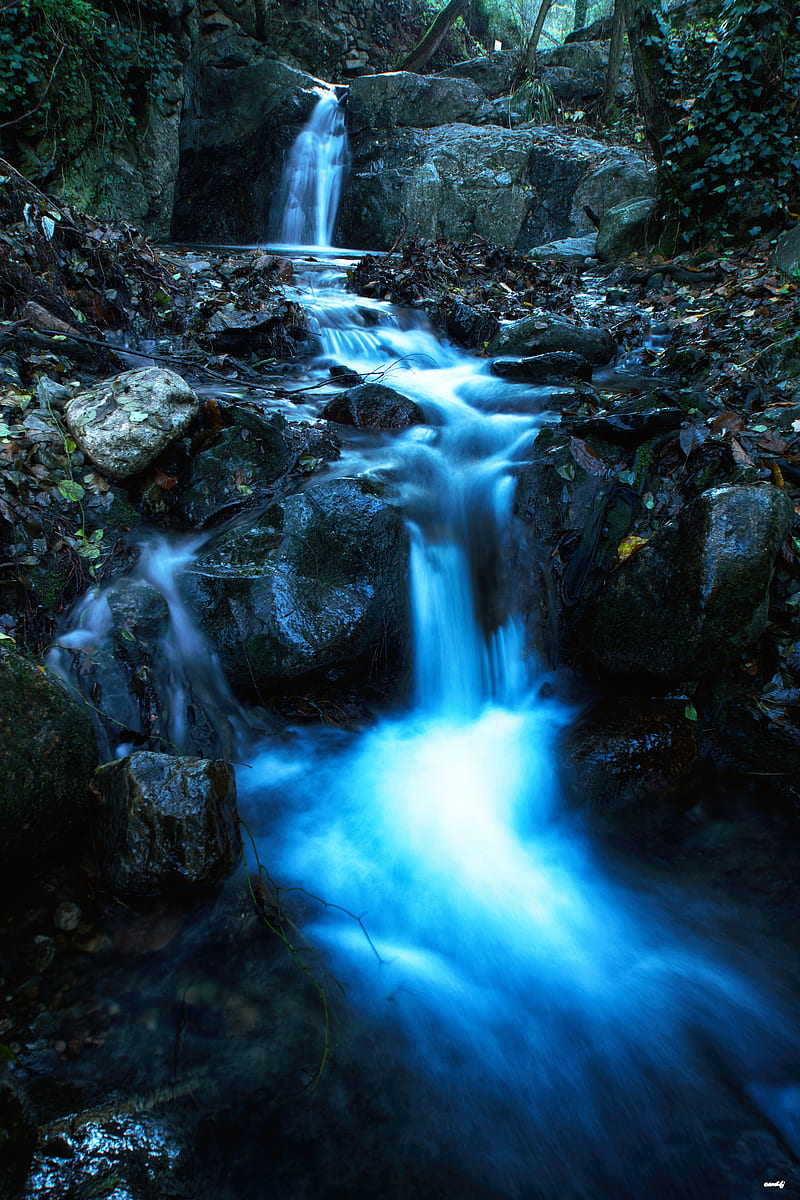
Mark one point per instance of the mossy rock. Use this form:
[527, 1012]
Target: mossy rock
[49, 752]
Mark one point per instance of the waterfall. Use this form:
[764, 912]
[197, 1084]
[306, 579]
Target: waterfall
[308, 197]
[571, 1034]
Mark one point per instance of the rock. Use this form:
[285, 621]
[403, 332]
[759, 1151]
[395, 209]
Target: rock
[494, 73]
[265, 105]
[577, 56]
[781, 360]
[543, 368]
[402, 98]
[625, 752]
[373, 406]
[786, 255]
[697, 593]
[624, 229]
[164, 822]
[469, 327]
[319, 580]
[18, 1132]
[124, 423]
[574, 87]
[514, 187]
[49, 752]
[542, 333]
[574, 249]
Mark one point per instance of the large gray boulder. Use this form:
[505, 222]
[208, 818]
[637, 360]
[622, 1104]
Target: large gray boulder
[624, 228]
[47, 756]
[494, 73]
[422, 101]
[373, 406]
[516, 187]
[786, 255]
[165, 822]
[697, 593]
[577, 56]
[319, 580]
[124, 423]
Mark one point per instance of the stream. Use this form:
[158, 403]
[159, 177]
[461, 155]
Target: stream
[534, 1021]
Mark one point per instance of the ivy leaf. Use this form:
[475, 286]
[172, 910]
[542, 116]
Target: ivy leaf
[71, 490]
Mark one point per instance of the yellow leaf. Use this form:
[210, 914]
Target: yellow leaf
[630, 545]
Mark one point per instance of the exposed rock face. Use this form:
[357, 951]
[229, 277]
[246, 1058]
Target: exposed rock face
[165, 822]
[542, 333]
[318, 580]
[422, 101]
[49, 752]
[373, 406]
[624, 228]
[697, 593]
[231, 164]
[516, 187]
[124, 423]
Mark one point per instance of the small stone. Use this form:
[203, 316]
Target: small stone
[67, 917]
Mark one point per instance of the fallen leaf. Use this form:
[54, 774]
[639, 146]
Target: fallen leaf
[630, 545]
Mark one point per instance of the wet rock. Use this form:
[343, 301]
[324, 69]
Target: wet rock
[49, 752]
[18, 1132]
[402, 98]
[543, 368]
[241, 467]
[164, 822]
[624, 229]
[319, 580]
[630, 429]
[469, 327]
[250, 462]
[624, 752]
[786, 255]
[373, 406]
[697, 593]
[574, 249]
[494, 73]
[124, 423]
[542, 333]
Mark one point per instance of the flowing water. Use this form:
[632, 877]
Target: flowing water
[570, 1033]
[307, 200]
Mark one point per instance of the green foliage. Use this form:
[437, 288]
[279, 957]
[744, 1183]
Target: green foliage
[731, 164]
[70, 73]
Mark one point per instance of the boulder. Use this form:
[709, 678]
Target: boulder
[573, 87]
[625, 752]
[786, 255]
[469, 327]
[494, 73]
[781, 360]
[577, 56]
[543, 368]
[124, 423]
[49, 752]
[697, 593]
[373, 406]
[542, 333]
[401, 98]
[574, 249]
[163, 822]
[624, 228]
[515, 187]
[18, 1133]
[317, 581]
[250, 462]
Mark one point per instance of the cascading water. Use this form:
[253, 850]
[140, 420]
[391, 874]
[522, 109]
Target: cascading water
[307, 200]
[570, 1033]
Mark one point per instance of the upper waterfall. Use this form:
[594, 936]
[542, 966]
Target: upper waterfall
[307, 201]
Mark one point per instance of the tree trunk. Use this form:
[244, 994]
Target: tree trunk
[650, 53]
[541, 17]
[580, 14]
[427, 46]
[614, 57]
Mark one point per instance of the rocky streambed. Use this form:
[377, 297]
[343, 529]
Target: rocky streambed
[168, 1040]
